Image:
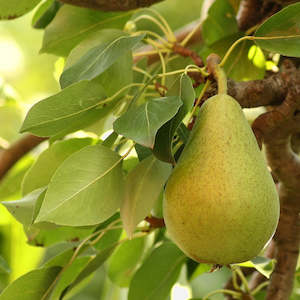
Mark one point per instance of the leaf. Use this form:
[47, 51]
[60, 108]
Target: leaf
[15, 8]
[91, 267]
[40, 173]
[142, 152]
[155, 278]
[4, 267]
[31, 286]
[69, 275]
[73, 24]
[164, 137]
[98, 59]
[202, 268]
[45, 14]
[10, 185]
[55, 113]
[245, 62]
[120, 70]
[85, 190]
[263, 265]
[141, 123]
[142, 188]
[220, 22]
[46, 237]
[23, 210]
[123, 262]
[284, 30]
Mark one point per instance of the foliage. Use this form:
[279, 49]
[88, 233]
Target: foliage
[85, 199]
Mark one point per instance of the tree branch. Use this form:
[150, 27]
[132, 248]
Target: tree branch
[111, 5]
[276, 127]
[11, 155]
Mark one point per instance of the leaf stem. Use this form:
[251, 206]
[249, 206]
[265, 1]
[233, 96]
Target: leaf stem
[204, 89]
[243, 278]
[172, 36]
[222, 291]
[155, 21]
[259, 288]
[190, 35]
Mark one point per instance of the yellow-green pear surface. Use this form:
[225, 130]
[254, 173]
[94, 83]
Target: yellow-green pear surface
[221, 204]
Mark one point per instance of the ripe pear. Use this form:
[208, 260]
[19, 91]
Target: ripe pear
[221, 204]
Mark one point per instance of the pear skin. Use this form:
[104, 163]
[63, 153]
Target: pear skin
[221, 204]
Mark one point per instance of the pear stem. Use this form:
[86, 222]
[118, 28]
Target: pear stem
[222, 80]
[214, 68]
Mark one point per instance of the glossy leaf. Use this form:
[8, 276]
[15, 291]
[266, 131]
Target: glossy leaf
[124, 260]
[55, 113]
[85, 190]
[142, 123]
[155, 278]
[220, 22]
[142, 188]
[120, 70]
[23, 210]
[40, 173]
[73, 24]
[284, 29]
[15, 8]
[31, 286]
[98, 59]
[163, 140]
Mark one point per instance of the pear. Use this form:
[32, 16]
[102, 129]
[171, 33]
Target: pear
[221, 204]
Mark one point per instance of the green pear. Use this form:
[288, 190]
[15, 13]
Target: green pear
[221, 204]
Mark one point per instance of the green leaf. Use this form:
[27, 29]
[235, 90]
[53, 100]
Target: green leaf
[45, 14]
[69, 275]
[220, 22]
[163, 140]
[86, 188]
[142, 188]
[91, 267]
[246, 62]
[15, 8]
[40, 173]
[57, 112]
[31, 286]
[124, 260]
[142, 123]
[10, 185]
[283, 31]
[23, 210]
[46, 237]
[98, 59]
[4, 267]
[120, 70]
[263, 265]
[155, 278]
[202, 268]
[73, 24]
